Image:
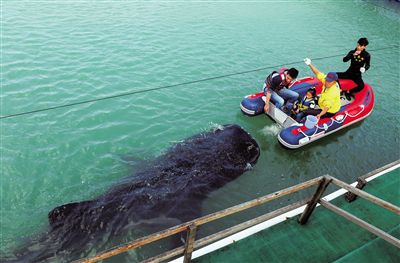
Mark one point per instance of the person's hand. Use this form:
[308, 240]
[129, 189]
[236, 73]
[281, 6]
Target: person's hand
[318, 117]
[307, 61]
[362, 69]
[356, 53]
[266, 107]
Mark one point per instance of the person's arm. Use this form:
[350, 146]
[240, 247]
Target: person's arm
[325, 106]
[275, 82]
[307, 61]
[324, 110]
[367, 62]
[314, 69]
[267, 99]
[348, 57]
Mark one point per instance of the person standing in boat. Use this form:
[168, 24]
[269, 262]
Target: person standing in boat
[276, 88]
[329, 99]
[360, 62]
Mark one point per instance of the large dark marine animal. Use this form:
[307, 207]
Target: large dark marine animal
[172, 188]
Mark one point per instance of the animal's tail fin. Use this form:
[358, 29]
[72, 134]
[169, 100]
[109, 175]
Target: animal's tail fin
[60, 213]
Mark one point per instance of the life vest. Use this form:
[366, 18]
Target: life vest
[281, 73]
[305, 103]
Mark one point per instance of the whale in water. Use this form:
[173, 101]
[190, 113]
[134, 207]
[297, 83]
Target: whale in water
[172, 188]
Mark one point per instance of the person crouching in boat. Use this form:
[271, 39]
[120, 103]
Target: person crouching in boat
[276, 88]
[360, 62]
[306, 103]
[329, 99]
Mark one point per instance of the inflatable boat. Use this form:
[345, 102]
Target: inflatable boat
[294, 134]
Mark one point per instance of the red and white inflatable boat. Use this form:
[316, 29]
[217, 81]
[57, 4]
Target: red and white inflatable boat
[293, 134]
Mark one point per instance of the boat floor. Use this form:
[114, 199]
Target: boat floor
[286, 121]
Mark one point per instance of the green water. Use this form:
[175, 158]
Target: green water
[59, 52]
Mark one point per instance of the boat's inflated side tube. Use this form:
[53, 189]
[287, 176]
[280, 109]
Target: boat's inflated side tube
[253, 104]
[298, 135]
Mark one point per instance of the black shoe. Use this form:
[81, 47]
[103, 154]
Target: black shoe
[285, 110]
[348, 95]
[342, 96]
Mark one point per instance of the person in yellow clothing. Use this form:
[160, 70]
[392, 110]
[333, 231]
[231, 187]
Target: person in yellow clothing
[329, 99]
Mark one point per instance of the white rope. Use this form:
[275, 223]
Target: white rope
[333, 120]
[362, 109]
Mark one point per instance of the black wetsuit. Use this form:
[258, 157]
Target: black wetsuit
[353, 72]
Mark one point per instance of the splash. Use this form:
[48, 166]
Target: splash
[272, 129]
[215, 126]
[248, 167]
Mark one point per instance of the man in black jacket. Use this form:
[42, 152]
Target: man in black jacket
[360, 62]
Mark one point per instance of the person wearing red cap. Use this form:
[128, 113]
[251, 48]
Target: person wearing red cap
[329, 99]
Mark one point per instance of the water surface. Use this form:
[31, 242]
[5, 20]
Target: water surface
[55, 53]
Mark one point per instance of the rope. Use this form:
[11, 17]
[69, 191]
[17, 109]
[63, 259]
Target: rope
[333, 120]
[170, 86]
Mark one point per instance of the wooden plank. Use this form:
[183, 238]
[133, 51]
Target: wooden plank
[237, 228]
[361, 181]
[349, 196]
[313, 202]
[378, 232]
[166, 255]
[258, 201]
[191, 236]
[136, 243]
[367, 196]
[376, 171]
